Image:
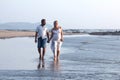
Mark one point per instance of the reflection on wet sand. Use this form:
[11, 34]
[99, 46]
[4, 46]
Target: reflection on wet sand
[41, 64]
[55, 66]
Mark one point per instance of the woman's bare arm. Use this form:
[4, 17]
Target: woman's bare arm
[61, 34]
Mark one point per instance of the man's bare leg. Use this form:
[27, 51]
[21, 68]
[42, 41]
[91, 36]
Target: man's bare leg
[43, 64]
[44, 50]
[40, 55]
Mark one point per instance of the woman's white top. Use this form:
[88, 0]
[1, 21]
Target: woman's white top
[56, 34]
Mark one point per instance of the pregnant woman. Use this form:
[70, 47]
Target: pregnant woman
[57, 39]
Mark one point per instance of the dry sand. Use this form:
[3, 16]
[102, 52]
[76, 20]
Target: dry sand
[10, 34]
[13, 33]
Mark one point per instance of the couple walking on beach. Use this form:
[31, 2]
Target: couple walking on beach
[42, 36]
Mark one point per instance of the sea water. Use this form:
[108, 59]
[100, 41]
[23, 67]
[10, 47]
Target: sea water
[83, 57]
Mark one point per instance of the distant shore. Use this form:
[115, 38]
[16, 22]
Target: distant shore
[105, 33]
[24, 33]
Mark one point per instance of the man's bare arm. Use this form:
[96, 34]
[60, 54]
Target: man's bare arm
[48, 36]
[36, 36]
[51, 36]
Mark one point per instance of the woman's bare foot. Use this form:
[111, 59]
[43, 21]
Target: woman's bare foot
[57, 58]
[54, 58]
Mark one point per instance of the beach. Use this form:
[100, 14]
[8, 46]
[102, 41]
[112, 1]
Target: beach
[83, 57]
[24, 33]
[89, 31]
[15, 33]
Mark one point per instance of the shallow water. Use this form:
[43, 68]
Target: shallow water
[83, 57]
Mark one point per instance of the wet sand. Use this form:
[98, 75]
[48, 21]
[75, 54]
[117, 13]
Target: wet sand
[83, 57]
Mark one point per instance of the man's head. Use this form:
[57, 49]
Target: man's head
[43, 22]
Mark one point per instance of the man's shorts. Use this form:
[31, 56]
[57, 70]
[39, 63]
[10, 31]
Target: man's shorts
[42, 42]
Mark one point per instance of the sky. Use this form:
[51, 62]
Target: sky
[78, 14]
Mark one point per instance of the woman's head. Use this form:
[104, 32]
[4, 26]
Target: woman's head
[55, 23]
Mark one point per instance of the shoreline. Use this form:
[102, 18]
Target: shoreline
[5, 34]
[105, 33]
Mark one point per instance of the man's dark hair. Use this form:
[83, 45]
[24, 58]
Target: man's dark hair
[43, 20]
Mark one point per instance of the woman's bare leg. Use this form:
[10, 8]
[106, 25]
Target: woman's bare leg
[55, 55]
[58, 54]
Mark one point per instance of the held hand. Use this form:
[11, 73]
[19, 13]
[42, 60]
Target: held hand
[61, 40]
[48, 41]
[35, 40]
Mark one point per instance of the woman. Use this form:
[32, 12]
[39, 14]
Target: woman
[57, 39]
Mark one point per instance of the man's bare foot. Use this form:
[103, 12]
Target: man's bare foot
[38, 66]
[43, 64]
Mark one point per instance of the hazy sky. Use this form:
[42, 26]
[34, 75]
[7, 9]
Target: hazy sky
[69, 13]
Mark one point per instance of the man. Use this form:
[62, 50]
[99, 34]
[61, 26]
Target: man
[41, 36]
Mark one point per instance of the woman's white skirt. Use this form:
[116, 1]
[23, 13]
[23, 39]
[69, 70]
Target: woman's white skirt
[56, 45]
